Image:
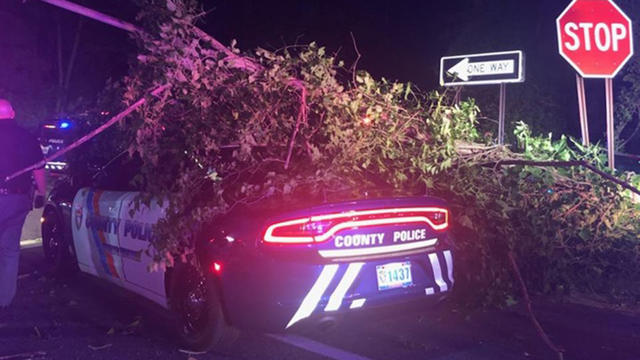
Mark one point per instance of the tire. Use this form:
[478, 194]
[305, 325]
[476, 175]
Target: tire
[58, 251]
[200, 320]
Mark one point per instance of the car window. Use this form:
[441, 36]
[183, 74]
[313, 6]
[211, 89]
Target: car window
[118, 174]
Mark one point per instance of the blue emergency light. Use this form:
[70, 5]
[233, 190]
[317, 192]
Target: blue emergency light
[64, 124]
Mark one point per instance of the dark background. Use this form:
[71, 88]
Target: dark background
[398, 40]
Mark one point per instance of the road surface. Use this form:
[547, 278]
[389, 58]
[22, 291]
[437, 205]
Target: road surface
[82, 318]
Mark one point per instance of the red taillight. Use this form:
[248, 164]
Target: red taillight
[320, 228]
[215, 267]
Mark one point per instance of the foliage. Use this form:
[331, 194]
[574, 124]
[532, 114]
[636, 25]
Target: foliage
[570, 229]
[284, 126]
[293, 125]
[627, 111]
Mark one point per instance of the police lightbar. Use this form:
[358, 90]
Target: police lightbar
[64, 124]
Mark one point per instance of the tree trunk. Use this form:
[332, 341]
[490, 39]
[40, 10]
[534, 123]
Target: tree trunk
[64, 76]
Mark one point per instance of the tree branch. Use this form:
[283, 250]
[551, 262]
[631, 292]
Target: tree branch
[355, 63]
[90, 135]
[93, 14]
[582, 163]
[532, 316]
[302, 116]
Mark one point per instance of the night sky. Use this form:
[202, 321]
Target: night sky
[399, 40]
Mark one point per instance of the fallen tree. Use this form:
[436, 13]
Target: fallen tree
[290, 124]
[294, 124]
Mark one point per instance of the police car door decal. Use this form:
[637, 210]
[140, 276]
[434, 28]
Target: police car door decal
[95, 227]
[103, 231]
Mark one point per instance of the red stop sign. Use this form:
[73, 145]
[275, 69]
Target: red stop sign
[595, 37]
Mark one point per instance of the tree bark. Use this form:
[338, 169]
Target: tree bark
[70, 64]
[60, 66]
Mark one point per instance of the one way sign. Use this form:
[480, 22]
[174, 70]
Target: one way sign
[482, 69]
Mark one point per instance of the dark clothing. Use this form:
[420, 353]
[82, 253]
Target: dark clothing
[14, 209]
[18, 150]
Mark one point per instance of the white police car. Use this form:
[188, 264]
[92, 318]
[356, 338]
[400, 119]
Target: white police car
[259, 269]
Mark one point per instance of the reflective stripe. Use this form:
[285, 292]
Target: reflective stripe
[30, 243]
[345, 283]
[437, 273]
[55, 165]
[377, 250]
[93, 208]
[315, 294]
[429, 291]
[357, 303]
[449, 260]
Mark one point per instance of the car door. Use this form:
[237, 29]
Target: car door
[95, 227]
[136, 234]
[96, 220]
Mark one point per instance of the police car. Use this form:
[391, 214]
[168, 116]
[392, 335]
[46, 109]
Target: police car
[266, 270]
[55, 134]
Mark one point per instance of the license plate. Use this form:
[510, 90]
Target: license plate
[394, 275]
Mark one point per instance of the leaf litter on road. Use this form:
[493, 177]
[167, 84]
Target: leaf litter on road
[35, 355]
[189, 352]
[99, 347]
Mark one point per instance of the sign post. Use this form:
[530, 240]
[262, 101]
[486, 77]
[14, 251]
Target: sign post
[582, 109]
[485, 69]
[501, 104]
[596, 38]
[608, 85]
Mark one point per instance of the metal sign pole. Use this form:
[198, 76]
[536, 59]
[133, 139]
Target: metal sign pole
[610, 136]
[503, 96]
[582, 107]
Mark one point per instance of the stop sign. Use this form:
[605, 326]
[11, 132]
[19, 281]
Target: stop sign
[595, 37]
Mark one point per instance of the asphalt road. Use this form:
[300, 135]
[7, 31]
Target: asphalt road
[83, 318]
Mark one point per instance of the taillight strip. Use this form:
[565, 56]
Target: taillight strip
[374, 222]
[270, 238]
[343, 253]
[378, 211]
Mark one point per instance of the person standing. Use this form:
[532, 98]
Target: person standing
[18, 150]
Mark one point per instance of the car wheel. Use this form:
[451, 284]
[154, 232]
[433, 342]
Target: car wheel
[200, 321]
[57, 250]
